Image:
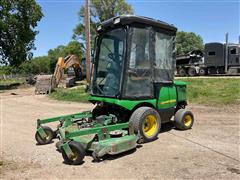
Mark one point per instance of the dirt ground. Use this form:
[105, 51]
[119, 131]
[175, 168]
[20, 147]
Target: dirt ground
[210, 150]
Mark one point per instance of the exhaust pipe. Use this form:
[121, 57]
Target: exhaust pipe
[226, 54]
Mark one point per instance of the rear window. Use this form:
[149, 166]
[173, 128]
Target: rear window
[164, 60]
[211, 53]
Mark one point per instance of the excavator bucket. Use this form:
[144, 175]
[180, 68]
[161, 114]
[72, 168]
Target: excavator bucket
[44, 84]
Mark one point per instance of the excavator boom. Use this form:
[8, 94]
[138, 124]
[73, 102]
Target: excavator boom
[46, 83]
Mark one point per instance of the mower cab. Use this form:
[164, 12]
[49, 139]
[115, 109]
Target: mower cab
[133, 66]
[133, 88]
[132, 53]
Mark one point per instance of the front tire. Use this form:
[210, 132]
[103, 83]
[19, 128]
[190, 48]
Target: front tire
[183, 119]
[50, 135]
[78, 154]
[146, 122]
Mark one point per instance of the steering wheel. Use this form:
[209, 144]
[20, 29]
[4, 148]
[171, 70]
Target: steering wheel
[101, 91]
[111, 56]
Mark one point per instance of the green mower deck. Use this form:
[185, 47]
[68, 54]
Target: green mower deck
[100, 136]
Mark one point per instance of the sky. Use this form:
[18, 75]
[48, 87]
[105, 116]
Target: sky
[210, 19]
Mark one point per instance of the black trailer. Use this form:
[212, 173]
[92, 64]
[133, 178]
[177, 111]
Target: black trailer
[217, 58]
[189, 64]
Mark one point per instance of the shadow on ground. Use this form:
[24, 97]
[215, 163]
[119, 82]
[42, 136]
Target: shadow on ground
[9, 86]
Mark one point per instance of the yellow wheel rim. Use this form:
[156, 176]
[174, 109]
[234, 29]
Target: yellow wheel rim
[47, 137]
[74, 154]
[187, 120]
[150, 125]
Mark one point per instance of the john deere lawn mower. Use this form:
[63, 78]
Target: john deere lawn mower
[132, 87]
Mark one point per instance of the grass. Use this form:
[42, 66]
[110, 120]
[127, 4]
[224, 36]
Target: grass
[215, 91]
[9, 82]
[77, 94]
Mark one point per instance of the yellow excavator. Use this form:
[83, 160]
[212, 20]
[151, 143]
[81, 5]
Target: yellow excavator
[45, 84]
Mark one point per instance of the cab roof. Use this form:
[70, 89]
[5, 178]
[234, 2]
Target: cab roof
[132, 19]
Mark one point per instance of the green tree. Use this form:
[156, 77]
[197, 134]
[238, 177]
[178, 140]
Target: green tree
[100, 10]
[18, 18]
[37, 65]
[74, 47]
[188, 41]
[56, 52]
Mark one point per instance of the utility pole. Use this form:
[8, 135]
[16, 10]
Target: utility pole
[88, 43]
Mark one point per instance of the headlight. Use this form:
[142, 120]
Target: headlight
[116, 21]
[99, 28]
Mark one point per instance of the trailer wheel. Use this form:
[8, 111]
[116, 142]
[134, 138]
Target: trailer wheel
[212, 70]
[78, 153]
[146, 123]
[183, 119]
[50, 135]
[192, 72]
[202, 72]
[221, 70]
[182, 72]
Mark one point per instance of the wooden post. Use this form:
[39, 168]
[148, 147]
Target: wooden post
[88, 43]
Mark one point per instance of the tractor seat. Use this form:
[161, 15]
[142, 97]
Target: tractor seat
[111, 86]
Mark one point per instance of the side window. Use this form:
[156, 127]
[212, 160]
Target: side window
[139, 56]
[139, 73]
[233, 51]
[164, 61]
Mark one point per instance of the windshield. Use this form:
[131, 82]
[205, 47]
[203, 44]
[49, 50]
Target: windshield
[108, 63]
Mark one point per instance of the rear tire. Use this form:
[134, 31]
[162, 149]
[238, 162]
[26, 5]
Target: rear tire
[146, 122]
[192, 72]
[78, 151]
[182, 72]
[183, 119]
[50, 135]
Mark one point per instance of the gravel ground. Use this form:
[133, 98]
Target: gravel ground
[210, 150]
